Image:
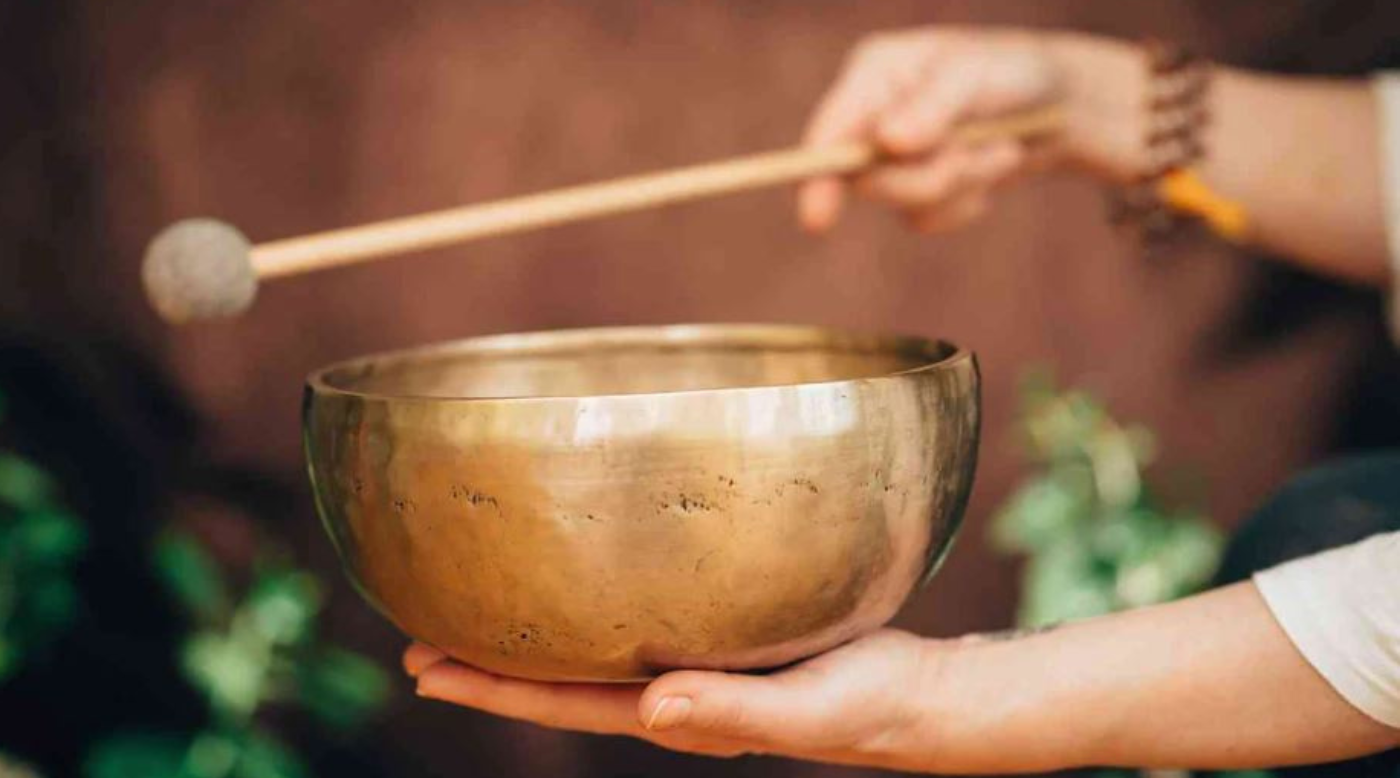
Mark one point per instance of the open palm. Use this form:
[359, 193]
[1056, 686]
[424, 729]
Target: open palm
[855, 704]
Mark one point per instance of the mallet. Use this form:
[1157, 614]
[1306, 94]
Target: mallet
[203, 268]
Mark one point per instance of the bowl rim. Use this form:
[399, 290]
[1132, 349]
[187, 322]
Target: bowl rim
[768, 336]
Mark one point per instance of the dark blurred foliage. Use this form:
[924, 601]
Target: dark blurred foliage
[108, 428]
[108, 433]
[87, 403]
[1097, 538]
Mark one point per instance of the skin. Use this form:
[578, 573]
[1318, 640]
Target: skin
[1209, 682]
[1314, 202]
[1215, 671]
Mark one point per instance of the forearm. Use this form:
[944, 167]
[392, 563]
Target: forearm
[1302, 156]
[1208, 682]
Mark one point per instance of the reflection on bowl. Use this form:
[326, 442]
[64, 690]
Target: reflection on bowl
[608, 504]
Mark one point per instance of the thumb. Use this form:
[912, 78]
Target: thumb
[755, 709]
[919, 122]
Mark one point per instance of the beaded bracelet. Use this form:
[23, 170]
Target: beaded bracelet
[1168, 193]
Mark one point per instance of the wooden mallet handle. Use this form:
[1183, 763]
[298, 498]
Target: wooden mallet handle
[347, 246]
[205, 269]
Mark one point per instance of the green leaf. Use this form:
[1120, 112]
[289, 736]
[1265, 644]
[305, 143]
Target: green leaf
[1174, 557]
[49, 537]
[283, 604]
[49, 604]
[340, 687]
[9, 657]
[212, 755]
[264, 757]
[1143, 584]
[192, 576]
[1061, 427]
[1192, 554]
[1043, 511]
[1096, 538]
[22, 484]
[1117, 472]
[1062, 583]
[137, 756]
[231, 673]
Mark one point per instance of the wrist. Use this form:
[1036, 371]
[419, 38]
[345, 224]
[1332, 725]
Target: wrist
[989, 705]
[1103, 88]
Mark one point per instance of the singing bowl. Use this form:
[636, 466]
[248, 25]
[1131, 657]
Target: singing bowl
[608, 504]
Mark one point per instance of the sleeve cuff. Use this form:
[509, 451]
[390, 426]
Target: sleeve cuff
[1341, 609]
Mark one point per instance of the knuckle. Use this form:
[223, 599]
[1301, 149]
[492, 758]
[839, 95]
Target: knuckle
[864, 45]
[871, 44]
[919, 201]
[869, 186]
[933, 191]
[728, 716]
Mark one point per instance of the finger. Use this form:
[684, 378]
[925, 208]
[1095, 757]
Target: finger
[770, 713]
[916, 185]
[922, 185]
[846, 113]
[819, 203]
[843, 114]
[972, 198]
[419, 657]
[598, 708]
[918, 123]
[963, 210]
[999, 161]
[870, 81]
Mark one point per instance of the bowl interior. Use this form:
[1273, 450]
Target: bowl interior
[630, 361]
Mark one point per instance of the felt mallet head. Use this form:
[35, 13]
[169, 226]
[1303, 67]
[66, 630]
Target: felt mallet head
[199, 269]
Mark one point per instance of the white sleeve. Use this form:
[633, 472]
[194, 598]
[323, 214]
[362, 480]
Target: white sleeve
[1341, 609]
[1387, 91]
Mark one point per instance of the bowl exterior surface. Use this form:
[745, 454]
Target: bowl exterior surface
[615, 537]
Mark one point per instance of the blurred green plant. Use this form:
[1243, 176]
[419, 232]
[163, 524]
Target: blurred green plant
[40, 542]
[245, 651]
[245, 654]
[1095, 537]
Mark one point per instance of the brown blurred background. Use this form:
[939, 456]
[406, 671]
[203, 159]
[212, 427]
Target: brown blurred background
[285, 118]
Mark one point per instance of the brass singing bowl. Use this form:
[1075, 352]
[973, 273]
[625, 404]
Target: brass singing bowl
[609, 504]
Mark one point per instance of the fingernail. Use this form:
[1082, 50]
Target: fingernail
[670, 713]
[419, 657]
[421, 688]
